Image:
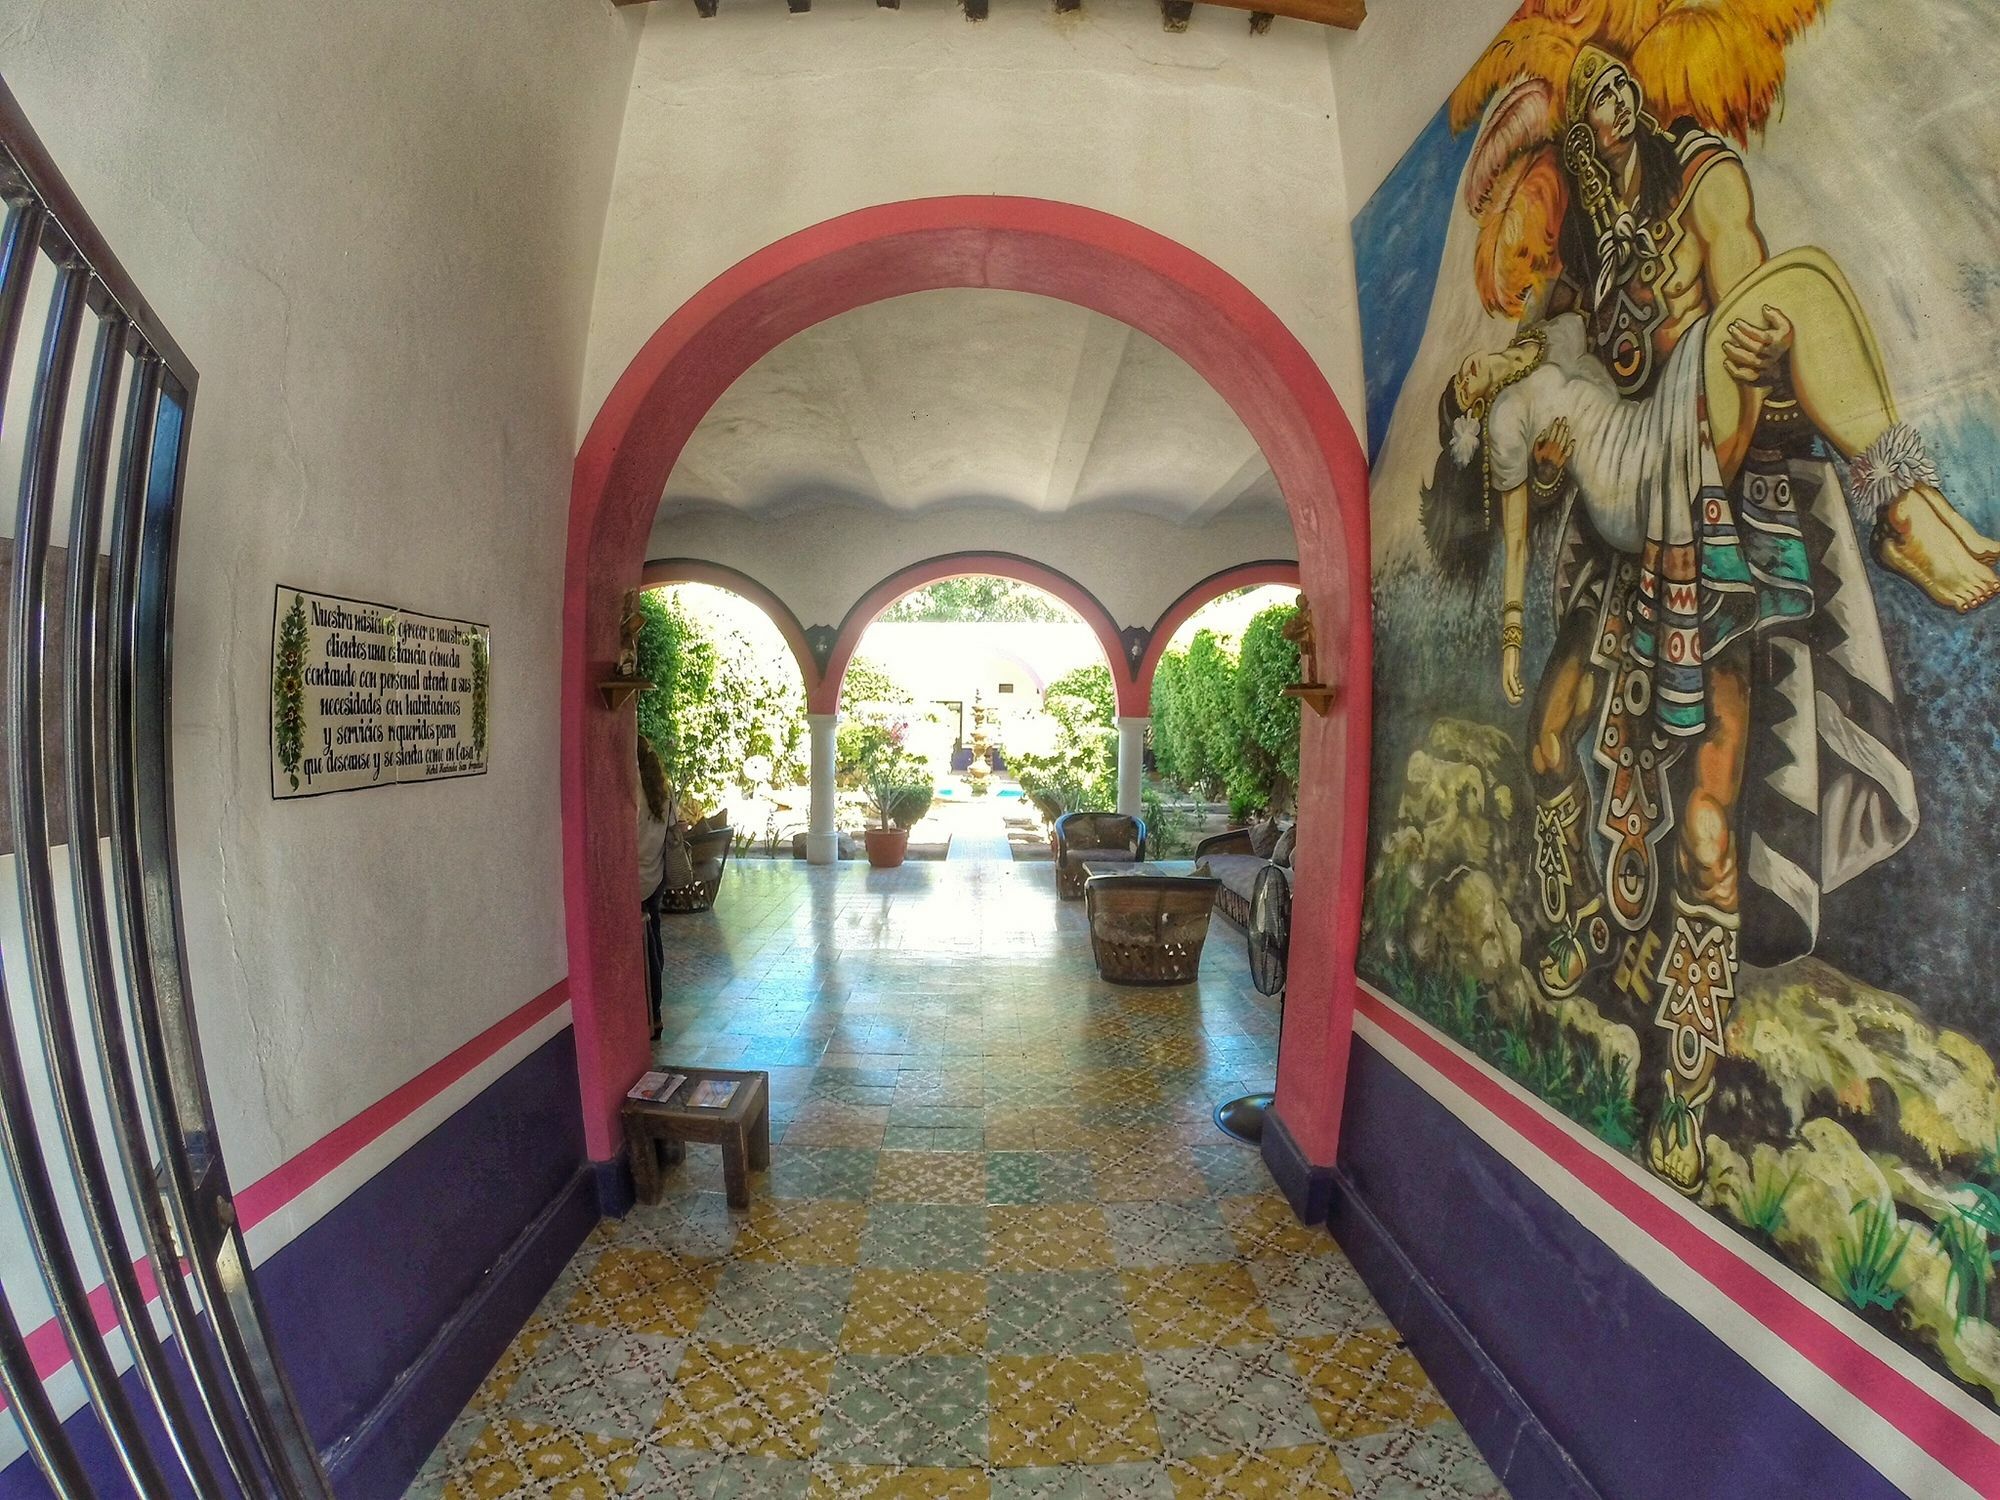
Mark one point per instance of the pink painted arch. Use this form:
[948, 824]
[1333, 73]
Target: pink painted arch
[1228, 581]
[1077, 255]
[825, 699]
[665, 570]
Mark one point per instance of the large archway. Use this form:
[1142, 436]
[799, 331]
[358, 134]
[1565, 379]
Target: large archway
[1079, 255]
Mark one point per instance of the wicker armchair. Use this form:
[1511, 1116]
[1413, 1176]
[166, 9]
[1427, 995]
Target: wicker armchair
[709, 853]
[1099, 837]
[1148, 929]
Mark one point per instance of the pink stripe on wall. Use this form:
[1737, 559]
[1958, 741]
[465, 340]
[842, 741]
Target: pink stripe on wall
[272, 1192]
[1945, 1434]
[280, 1187]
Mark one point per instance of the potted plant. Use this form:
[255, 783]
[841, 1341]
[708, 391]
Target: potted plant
[892, 780]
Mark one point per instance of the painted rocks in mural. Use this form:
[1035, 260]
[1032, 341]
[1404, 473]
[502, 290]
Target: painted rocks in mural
[1682, 575]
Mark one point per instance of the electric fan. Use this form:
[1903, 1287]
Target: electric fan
[1270, 936]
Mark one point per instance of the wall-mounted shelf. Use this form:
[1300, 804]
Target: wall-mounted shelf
[1315, 695]
[618, 691]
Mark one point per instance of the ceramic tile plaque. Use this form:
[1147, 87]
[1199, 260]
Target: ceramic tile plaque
[368, 695]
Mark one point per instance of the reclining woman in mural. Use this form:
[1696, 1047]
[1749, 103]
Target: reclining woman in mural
[1674, 388]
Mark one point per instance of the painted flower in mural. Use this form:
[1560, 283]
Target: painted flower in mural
[1720, 63]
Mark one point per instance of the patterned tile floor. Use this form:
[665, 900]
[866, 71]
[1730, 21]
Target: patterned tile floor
[1001, 1250]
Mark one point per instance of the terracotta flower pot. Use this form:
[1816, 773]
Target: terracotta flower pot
[886, 846]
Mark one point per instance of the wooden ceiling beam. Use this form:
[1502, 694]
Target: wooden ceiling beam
[1347, 15]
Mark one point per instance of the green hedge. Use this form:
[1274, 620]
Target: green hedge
[1222, 726]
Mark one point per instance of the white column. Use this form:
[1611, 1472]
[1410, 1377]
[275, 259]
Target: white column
[822, 839]
[1131, 762]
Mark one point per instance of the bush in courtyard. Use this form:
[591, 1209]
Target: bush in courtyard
[1194, 708]
[714, 705]
[1081, 771]
[1222, 727]
[909, 802]
[866, 682]
[874, 755]
[1267, 722]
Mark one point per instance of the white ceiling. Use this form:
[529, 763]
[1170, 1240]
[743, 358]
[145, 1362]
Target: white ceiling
[973, 396]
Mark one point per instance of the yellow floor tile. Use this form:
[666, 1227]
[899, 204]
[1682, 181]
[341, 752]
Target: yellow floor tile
[931, 1177]
[1064, 1409]
[514, 1460]
[1041, 1237]
[527, 1343]
[1365, 1382]
[739, 1399]
[1265, 1228]
[644, 1291]
[1165, 1177]
[915, 1312]
[1186, 1307]
[807, 1232]
[1304, 1473]
[875, 1482]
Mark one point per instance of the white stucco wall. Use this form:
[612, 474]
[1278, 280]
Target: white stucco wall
[1135, 564]
[1391, 75]
[374, 228]
[755, 123]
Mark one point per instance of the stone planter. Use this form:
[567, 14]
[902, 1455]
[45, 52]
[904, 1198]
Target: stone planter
[886, 846]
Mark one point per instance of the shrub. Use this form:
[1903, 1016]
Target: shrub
[908, 803]
[1267, 722]
[865, 682]
[715, 704]
[1222, 726]
[875, 757]
[1081, 772]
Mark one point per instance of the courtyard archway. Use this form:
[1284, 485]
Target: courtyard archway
[826, 698]
[1079, 255]
[661, 571]
[1228, 581]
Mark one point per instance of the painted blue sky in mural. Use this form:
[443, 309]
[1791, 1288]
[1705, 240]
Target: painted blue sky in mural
[1398, 242]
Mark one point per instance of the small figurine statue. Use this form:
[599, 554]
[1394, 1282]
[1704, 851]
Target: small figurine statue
[1299, 630]
[629, 630]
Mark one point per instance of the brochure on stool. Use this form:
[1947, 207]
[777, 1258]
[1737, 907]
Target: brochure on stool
[712, 1093]
[656, 1088]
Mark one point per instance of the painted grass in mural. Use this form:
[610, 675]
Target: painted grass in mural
[1656, 539]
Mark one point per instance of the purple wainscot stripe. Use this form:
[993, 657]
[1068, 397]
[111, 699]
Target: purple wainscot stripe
[1499, 1289]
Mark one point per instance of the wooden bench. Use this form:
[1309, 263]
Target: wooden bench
[660, 1130]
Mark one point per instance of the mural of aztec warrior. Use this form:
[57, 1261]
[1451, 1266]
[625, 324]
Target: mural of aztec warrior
[1670, 398]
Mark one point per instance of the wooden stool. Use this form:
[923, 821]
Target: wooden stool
[658, 1133]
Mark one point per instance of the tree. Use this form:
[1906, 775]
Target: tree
[1093, 685]
[716, 703]
[867, 682]
[1176, 751]
[981, 597]
[1081, 771]
[1221, 723]
[1267, 721]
